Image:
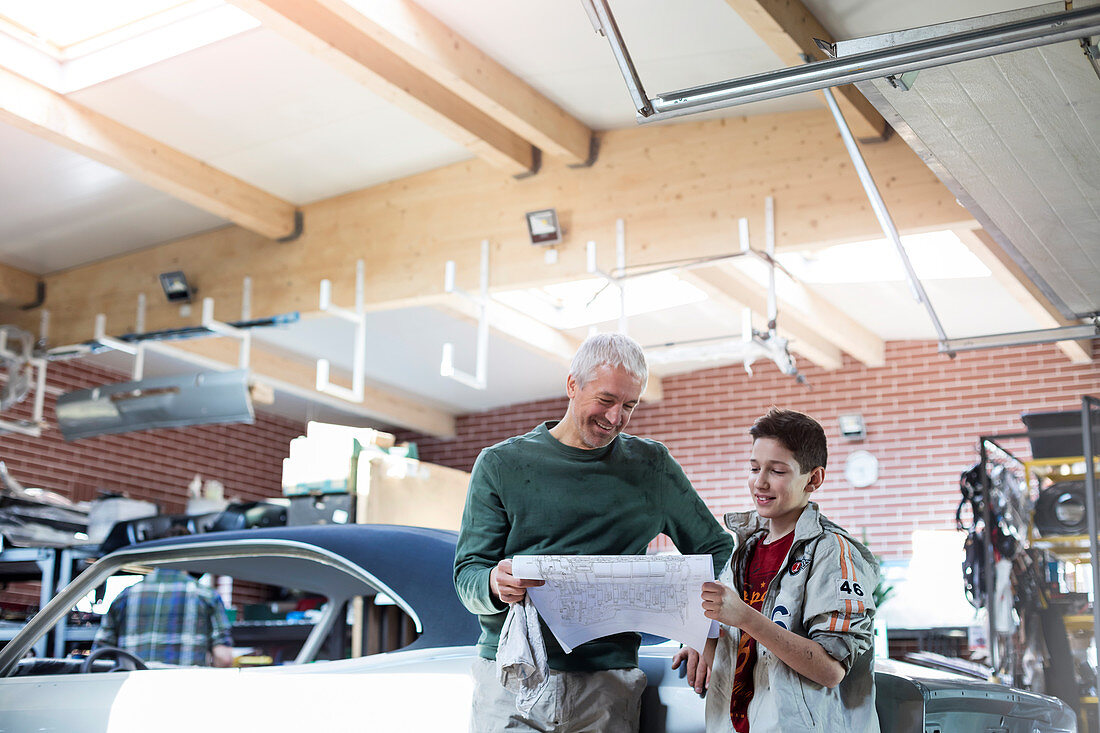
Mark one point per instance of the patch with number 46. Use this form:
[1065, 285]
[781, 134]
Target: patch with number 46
[849, 590]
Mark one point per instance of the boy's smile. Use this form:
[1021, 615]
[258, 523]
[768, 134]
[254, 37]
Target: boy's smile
[779, 488]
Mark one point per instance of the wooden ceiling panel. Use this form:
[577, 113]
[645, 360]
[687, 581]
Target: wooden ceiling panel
[17, 288]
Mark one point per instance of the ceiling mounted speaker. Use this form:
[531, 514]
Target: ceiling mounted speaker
[1061, 509]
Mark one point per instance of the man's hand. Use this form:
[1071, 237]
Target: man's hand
[697, 666]
[506, 587]
[724, 604]
[221, 656]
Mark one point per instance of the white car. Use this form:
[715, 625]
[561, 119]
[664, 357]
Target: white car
[426, 686]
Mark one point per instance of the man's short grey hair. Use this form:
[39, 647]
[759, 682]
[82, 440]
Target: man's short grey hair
[612, 349]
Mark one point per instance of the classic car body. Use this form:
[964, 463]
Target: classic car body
[423, 687]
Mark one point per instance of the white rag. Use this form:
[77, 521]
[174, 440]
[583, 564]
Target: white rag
[521, 655]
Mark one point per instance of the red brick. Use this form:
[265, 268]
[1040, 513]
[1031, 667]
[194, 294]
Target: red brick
[924, 414]
[155, 465]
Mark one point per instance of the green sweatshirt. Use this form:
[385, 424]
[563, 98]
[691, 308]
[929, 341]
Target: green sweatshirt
[533, 495]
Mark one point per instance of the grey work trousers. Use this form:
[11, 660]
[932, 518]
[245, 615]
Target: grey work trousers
[607, 701]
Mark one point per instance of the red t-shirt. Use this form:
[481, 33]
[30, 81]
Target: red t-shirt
[765, 563]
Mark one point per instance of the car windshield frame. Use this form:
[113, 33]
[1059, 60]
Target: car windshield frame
[197, 552]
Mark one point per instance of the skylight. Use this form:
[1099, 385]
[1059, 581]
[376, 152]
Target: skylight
[65, 23]
[935, 256]
[71, 44]
[582, 303]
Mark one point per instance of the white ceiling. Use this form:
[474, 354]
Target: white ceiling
[59, 209]
[261, 109]
[551, 45]
[264, 111]
[853, 18]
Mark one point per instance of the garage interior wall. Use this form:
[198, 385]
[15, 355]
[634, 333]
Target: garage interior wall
[923, 411]
[153, 465]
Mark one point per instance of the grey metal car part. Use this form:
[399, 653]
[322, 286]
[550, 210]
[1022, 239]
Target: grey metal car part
[160, 402]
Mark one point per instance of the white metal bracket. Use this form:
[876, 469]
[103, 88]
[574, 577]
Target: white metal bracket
[221, 328]
[137, 347]
[768, 344]
[137, 350]
[358, 317]
[618, 278]
[33, 372]
[479, 379]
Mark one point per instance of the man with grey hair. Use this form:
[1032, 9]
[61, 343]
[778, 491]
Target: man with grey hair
[578, 486]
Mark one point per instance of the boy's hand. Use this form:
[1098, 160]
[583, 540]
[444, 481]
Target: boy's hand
[724, 604]
[507, 587]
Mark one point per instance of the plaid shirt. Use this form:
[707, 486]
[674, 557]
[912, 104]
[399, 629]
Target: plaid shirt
[167, 617]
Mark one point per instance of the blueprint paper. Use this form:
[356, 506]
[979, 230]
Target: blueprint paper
[589, 596]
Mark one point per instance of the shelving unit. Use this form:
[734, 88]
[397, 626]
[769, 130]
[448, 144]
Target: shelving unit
[1066, 548]
[1047, 473]
[1070, 547]
[54, 568]
[1078, 622]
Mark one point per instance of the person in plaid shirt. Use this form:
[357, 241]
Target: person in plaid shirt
[169, 618]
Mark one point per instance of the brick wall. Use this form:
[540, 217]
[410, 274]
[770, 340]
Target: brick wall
[154, 465]
[924, 413]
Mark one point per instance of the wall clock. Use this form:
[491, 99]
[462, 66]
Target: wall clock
[861, 469]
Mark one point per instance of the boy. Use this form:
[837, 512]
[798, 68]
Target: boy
[796, 603]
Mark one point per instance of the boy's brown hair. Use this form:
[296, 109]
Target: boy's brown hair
[799, 433]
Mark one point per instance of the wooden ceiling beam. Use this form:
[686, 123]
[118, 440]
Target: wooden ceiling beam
[17, 288]
[1013, 279]
[712, 172]
[800, 302]
[802, 313]
[826, 319]
[411, 33]
[788, 28]
[33, 108]
[739, 292]
[330, 37]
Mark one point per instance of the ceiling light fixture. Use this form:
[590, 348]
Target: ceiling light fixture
[852, 426]
[176, 287]
[543, 227]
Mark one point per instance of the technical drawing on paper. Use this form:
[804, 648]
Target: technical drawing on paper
[589, 596]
